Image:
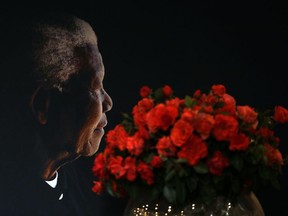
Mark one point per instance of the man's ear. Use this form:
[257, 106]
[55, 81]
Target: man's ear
[39, 103]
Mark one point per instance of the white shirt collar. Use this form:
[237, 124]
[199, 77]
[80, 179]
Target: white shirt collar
[54, 181]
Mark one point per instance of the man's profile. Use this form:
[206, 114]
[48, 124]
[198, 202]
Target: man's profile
[52, 111]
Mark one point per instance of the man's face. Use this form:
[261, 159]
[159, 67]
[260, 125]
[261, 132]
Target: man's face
[77, 124]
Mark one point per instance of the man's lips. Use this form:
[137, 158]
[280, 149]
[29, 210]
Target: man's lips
[103, 122]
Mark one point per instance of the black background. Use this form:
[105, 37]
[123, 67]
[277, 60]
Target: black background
[191, 45]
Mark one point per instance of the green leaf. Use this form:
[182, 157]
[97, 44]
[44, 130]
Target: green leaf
[237, 163]
[170, 175]
[192, 183]
[218, 179]
[110, 190]
[257, 153]
[134, 191]
[180, 191]
[235, 186]
[169, 194]
[181, 160]
[201, 168]
[189, 102]
[128, 125]
[126, 116]
[169, 165]
[158, 94]
[156, 190]
[219, 105]
[183, 172]
[148, 158]
[207, 193]
[264, 173]
[275, 183]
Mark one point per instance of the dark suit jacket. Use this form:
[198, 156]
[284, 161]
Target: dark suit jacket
[24, 193]
[28, 194]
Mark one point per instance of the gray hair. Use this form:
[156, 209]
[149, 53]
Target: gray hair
[53, 54]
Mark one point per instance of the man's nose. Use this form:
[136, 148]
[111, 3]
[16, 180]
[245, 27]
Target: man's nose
[107, 103]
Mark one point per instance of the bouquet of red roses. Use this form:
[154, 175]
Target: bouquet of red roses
[202, 145]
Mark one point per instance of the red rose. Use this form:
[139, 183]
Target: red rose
[165, 147]
[117, 138]
[145, 104]
[142, 133]
[180, 132]
[229, 104]
[203, 124]
[210, 100]
[273, 155]
[156, 162]
[167, 133]
[97, 187]
[247, 114]
[193, 150]
[140, 110]
[208, 109]
[188, 115]
[218, 89]
[265, 132]
[135, 145]
[217, 163]
[167, 91]
[239, 142]
[281, 114]
[175, 102]
[139, 117]
[130, 167]
[115, 166]
[146, 173]
[145, 91]
[197, 93]
[99, 166]
[225, 127]
[161, 117]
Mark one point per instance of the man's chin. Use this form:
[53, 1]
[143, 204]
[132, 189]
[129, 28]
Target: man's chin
[91, 149]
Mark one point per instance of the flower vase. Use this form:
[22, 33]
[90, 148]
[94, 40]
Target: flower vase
[245, 205]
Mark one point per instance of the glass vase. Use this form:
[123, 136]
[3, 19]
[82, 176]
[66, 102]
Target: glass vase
[245, 205]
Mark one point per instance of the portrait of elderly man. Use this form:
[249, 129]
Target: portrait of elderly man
[53, 106]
